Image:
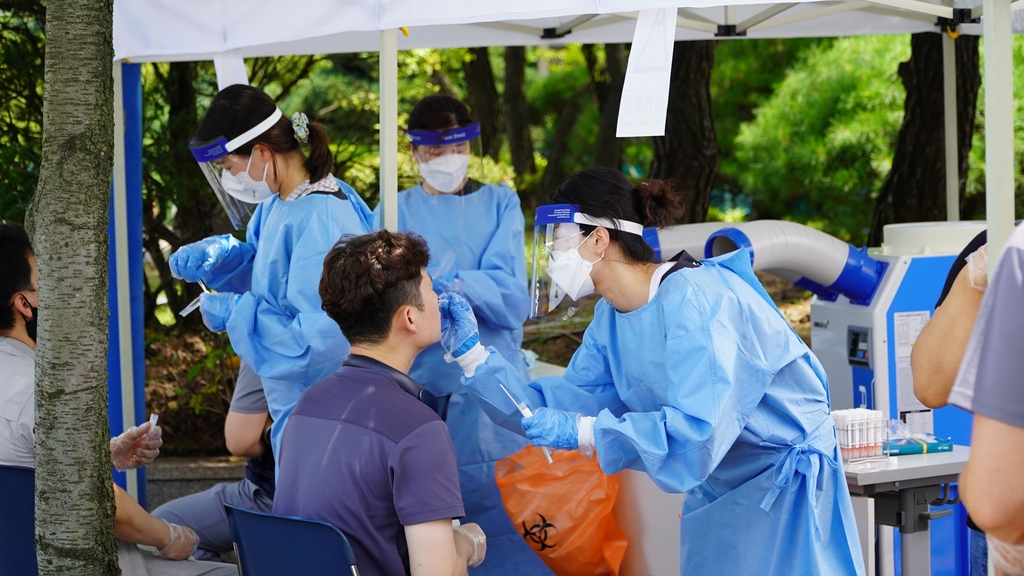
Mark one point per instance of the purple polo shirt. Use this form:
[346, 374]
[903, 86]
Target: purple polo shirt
[366, 456]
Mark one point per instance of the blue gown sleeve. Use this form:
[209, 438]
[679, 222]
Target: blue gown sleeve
[234, 272]
[293, 338]
[497, 290]
[585, 388]
[717, 376]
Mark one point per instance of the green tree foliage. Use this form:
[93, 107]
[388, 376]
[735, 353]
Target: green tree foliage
[745, 75]
[21, 103]
[819, 149]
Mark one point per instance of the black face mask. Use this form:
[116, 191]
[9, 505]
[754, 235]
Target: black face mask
[30, 325]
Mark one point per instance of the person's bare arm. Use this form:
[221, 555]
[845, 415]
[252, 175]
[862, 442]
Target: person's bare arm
[435, 548]
[243, 433]
[940, 347]
[133, 524]
[990, 484]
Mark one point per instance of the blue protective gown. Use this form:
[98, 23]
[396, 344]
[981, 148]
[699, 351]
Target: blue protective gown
[483, 230]
[277, 326]
[708, 390]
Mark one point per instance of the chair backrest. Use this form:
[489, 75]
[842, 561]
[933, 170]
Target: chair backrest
[17, 521]
[269, 545]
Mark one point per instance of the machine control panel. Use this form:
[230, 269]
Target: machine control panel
[858, 346]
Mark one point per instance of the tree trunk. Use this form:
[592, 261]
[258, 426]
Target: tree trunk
[74, 497]
[555, 173]
[484, 101]
[517, 116]
[688, 152]
[608, 83]
[915, 189]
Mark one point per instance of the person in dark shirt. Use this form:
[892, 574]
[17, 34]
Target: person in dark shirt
[364, 448]
[246, 433]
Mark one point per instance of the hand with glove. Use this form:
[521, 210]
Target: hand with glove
[217, 309]
[459, 330]
[193, 261]
[977, 268]
[136, 447]
[471, 543]
[182, 544]
[440, 284]
[557, 429]
[460, 335]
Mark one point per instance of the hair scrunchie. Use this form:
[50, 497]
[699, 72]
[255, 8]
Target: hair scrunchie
[300, 124]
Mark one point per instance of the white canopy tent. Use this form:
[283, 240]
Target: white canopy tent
[189, 30]
[145, 31]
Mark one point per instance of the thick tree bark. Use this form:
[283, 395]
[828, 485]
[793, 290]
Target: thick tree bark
[517, 115]
[915, 189]
[484, 101]
[74, 498]
[607, 82]
[688, 152]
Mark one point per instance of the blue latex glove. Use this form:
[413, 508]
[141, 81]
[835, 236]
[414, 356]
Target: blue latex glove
[553, 428]
[217, 308]
[192, 261]
[459, 331]
[441, 284]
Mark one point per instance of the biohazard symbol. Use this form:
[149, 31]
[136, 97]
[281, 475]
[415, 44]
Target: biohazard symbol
[539, 532]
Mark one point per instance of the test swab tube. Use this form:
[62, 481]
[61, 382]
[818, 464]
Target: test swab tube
[152, 424]
[526, 412]
[195, 303]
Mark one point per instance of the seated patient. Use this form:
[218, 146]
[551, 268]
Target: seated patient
[363, 450]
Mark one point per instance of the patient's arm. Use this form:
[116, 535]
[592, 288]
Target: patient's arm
[940, 347]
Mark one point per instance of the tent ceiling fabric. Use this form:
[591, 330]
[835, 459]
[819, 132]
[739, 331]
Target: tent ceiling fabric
[148, 30]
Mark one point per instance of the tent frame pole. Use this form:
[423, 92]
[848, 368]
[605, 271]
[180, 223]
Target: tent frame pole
[951, 128]
[124, 303]
[999, 168]
[389, 129]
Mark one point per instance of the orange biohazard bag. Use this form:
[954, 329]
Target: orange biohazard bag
[563, 510]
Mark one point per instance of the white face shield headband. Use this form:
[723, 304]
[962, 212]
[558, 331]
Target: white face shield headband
[559, 270]
[235, 193]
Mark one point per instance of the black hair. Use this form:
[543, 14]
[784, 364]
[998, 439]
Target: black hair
[607, 193]
[15, 269]
[439, 112]
[367, 278]
[238, 108]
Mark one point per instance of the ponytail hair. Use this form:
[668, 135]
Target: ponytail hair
[320, 160]
[238, 108]
[607, 193]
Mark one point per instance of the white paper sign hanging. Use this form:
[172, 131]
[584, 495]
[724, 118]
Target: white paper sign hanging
[230, 69]
[644, 105]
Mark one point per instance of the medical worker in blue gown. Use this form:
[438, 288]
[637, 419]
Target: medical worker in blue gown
[688, 373]
[475, 234]
[267, 295]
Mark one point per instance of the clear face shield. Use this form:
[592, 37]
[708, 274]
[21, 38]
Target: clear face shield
[237, 193]
[560, 279]
[556, 236]
[445, 159]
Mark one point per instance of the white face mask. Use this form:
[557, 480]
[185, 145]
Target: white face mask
[244, 187]
[445, 174]
[572, 272]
